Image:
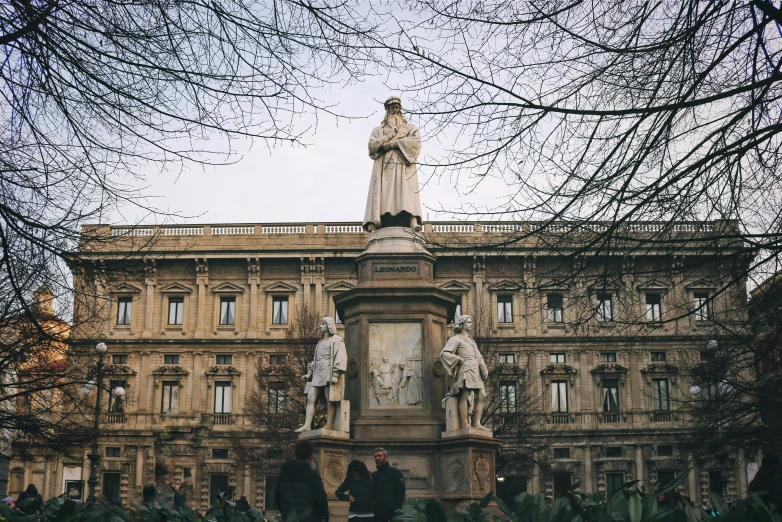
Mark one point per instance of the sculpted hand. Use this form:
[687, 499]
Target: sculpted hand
[305, 377]
[334, 380]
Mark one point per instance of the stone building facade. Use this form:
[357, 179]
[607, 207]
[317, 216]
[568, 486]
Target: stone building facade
[198, 307]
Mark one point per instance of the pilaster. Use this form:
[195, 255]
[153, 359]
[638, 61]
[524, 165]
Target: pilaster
[202, 281]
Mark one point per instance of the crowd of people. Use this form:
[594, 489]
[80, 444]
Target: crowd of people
[374, 497]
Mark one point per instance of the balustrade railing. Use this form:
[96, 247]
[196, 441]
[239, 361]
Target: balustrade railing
[477, 227]
[662, 416]
[610, 418]
[222, 419]
[560, 418]
[115, 418]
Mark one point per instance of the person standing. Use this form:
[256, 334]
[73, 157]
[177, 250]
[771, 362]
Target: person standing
[30, 501]
[389, 487]
[300, 487]
[357, 488]
[768, 482]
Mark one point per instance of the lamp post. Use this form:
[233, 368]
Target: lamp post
[94, 456]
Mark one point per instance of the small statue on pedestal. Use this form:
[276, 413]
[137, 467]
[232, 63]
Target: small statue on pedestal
[326, 375]
[465, 366]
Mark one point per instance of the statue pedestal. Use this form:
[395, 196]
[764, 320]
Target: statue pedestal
[396, 324]
[467, 465]
[323, 433]
[332, 454]
[471, 432]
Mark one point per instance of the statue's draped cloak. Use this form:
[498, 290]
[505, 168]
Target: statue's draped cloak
[330, 360]
[394, 184]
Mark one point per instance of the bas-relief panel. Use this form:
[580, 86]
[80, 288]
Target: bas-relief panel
[395, 365]
[418, 471]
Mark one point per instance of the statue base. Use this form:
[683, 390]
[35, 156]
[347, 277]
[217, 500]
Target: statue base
[323, 433]
[470, 432]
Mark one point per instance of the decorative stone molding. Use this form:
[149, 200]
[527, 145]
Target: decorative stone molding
[554, 372]
[660, 369]
[609, 371]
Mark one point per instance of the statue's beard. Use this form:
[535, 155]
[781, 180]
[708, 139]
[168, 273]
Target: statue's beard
[395, 120]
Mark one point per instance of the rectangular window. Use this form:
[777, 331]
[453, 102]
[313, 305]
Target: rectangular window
[113, 452]
[507, 358]
[458, 312]
[270, 493]
[277, 396]
[557, 358]
[116, 403]
[562, 483]
[176, 310]
[706, 355]
[665, 477]
[219, 453]
[507, 397]
[614, 482]
[605, 308]
[277, 359]
[613, 451]
[124, 310]
[717, 484]
[610, 395]
[170, 359]
[280, 309]
[119, 359]
[337, 318]
[561, 453]
[665, 451]
[702, 307]
[218, 485]
[608, 357]
[223, 397]
[111, 482]
[654, 308]
[711, 396]
[227, 310]
[660, 395]
[224, 359]
[504, 308]
[555, 310]
[559, 396]
[170, 397]
[658, 357]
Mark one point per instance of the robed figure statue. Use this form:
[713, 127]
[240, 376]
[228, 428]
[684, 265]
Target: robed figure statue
[326, 375]
[467, 370]
[393, 198]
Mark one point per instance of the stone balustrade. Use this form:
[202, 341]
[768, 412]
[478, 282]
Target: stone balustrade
[442, 228]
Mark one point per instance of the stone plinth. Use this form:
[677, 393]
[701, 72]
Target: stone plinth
[467, 466]
[323, 433]
[332, 454]
[470, 432]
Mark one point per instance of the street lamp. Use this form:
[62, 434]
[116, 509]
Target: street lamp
[94, 456]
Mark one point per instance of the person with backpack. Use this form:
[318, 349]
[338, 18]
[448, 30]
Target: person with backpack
[358, 489]
[300, 489]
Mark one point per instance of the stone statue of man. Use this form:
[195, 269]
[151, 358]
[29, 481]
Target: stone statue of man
[327, 374]
[467, 370]
[393, 198]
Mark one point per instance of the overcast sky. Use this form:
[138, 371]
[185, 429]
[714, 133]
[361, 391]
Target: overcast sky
[324, 181]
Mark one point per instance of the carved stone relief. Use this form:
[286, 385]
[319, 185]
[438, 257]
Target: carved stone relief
[395, 365]
[482, 473]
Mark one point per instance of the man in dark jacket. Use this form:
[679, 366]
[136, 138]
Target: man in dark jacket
[768, 482]
[389, 487]
[29, 501]
[300, 487]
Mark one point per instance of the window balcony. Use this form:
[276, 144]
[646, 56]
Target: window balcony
[560, 418]
[222, 419]
[662, 416]
[610, 418]
[115, 418]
